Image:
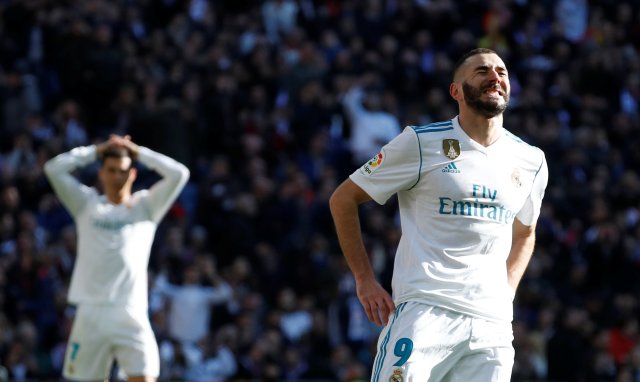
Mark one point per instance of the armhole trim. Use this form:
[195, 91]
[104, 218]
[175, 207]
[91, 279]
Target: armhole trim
[419, 153]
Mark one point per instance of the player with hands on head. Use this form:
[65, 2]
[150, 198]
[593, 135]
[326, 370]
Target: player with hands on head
[469, 195]
[115, 233]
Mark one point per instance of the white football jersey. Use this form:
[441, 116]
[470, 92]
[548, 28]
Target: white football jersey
[457, 201]
[114, 240]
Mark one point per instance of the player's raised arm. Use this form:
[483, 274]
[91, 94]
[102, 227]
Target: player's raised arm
[174, 177]
[68, 189]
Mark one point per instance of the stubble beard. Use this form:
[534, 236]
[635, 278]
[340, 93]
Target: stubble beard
[488, 109]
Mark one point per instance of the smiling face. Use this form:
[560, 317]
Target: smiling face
[481, 83]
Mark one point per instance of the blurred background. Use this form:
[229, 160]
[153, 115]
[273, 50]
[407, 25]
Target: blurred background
[272, 104]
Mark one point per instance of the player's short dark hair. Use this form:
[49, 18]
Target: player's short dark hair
[115, 152]
[470, 53]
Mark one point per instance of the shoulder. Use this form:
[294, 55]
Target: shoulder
[429, 135]
[435, 127]
[517, 141]
[520, 146]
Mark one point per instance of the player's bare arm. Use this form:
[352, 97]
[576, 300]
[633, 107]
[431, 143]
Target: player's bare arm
[344, 203]
[524, 238]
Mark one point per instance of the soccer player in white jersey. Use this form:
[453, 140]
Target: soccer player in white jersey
[469, 195]
[115, 233]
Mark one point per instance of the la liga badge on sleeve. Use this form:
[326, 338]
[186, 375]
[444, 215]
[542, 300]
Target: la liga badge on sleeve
[373, 164]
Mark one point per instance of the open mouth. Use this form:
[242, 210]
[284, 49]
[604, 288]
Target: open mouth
[493, 91]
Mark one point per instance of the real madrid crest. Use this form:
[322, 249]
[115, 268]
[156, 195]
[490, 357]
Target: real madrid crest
[516, 178]
[396, 376]
[451, 148]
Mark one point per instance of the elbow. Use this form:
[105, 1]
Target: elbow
[183, 174]
[347, 197]
[48, 168]
[335, 200]
[340, 201]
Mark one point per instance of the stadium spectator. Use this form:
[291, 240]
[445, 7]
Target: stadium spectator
[189, 303]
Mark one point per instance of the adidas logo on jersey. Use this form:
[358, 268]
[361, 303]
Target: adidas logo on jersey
[451, 168]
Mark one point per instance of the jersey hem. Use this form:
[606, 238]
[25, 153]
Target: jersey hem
[457, 309]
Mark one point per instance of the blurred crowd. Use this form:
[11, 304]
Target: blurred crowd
[272, 104]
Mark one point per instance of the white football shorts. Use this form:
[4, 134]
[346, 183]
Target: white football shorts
[426, 343]
[101, 334]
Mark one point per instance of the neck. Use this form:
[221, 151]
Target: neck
[481, 129]
[118, 197]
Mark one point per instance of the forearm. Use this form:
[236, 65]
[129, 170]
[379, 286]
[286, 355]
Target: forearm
[174, 177]
[69, 161]
[58, 170]
[344, 202]
[167, 167]
[519, 257]
[348, 229]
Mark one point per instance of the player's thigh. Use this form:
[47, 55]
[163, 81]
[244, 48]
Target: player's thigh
[421, 343]
[88, 356]
[484, 365]
[490, 355]
[139, 359]
[135, 346]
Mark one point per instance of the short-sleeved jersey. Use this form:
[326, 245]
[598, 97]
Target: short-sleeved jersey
[114, 240]
[457, 202]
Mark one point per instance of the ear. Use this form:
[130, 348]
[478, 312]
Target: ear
[455, 90]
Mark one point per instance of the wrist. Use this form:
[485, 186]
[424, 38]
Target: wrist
[364, 276]
[135, 151]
